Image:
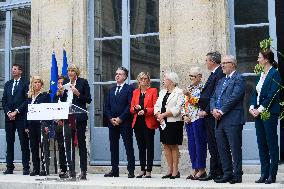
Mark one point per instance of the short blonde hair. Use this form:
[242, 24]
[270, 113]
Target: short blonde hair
[74, 68]
[172, 76]
[142, 74]
[31, 92]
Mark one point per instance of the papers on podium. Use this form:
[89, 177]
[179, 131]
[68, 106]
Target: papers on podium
[52, 111]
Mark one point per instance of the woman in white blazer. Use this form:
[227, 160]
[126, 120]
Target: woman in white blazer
[168, 112]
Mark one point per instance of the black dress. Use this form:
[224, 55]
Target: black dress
[173, 133]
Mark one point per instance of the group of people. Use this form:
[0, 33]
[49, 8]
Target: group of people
[34, 134]
[212, 114]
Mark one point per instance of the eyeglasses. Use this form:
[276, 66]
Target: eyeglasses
[143, 78]
[223, 63]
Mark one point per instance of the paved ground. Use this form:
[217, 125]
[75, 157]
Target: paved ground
[18, 181]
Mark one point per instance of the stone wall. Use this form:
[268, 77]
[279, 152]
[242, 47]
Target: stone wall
[188, 30]
[55, 24]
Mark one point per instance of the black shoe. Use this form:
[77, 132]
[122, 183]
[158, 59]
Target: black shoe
[223, 180]
[235, 180]
[262, 179]
[271, 179]
[111, 174]
[167, 176]
[131, 175]
[141, 175]
[8, 171]
[72, 175]
[83, 175]
[190, 177]
[208, 177]
[63, 175]
[177, 176]
[42, 173]
[34, 173]
[204, 175]
[26, 171]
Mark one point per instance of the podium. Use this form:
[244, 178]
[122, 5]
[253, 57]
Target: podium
[52, 111]
[48, 112]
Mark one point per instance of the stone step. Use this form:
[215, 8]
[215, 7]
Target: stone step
[247, 169]
[97, 181]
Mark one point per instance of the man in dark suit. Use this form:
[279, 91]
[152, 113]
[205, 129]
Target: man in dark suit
[226, 105]
[117, 111]
[213, 60]
[14, 104]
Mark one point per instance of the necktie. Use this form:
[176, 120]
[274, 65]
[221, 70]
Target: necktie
[14, 86]
[117, 90]
[218, 102]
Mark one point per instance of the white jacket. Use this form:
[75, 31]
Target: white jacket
[173, 104]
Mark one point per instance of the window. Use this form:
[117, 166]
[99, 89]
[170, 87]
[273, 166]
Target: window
[126, 34]
[252, 24]
[14, 44]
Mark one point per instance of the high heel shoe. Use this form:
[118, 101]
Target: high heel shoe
[167, 176]
[141, 175]
[177, 176]
[148, 175]
[203, 175]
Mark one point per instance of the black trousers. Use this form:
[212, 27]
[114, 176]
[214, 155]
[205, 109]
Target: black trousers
[127, 136]
[39, 144]
[215, 163]
[61, 148]
[69, 135]
[145, 141]
[10, 129]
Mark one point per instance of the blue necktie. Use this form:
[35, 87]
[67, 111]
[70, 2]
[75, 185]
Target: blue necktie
[117, 90]
[218, 102]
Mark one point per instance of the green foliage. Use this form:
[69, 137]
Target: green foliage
[258, 69]
[266, 44]
[265, 114]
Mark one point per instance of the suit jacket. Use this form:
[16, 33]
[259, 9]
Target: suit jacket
[41, 98]
[231, 99]
[119, 105]
[269, 95]
[150, 99]
[17, 101]
[208, 89]
[173, 104]
[81, 101]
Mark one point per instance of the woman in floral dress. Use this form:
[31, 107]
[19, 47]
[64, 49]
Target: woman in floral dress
[194, 125]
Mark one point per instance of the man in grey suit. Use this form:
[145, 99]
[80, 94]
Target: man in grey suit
[226, 105]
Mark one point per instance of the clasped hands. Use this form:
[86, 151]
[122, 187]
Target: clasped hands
[216, 114]
[254, 112]
[160, 117]
[12, 115]
[115, 121]
[138, 108]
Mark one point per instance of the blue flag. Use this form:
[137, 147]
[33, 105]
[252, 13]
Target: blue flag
[53, 77]
[64, 65]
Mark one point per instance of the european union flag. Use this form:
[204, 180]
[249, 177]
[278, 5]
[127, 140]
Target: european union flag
[64, 65]
[53, 77]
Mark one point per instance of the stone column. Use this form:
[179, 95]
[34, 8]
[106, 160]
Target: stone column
[188, 30]
[56, 24]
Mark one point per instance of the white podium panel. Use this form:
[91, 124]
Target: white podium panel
[48, 111]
